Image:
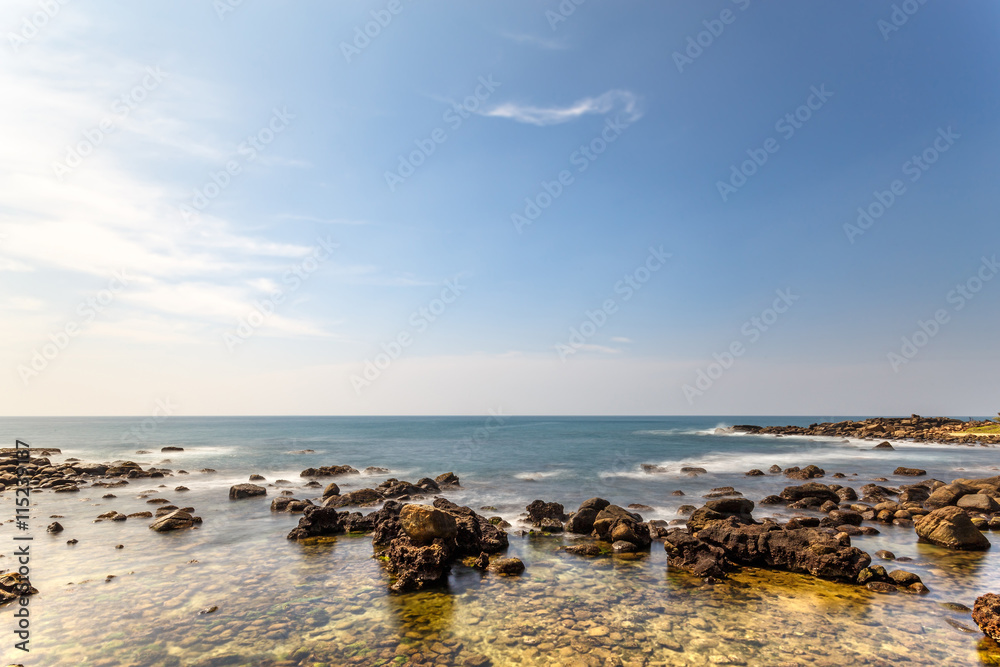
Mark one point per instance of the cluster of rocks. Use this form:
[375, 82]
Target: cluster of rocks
[723, 536]
[620, 530]
[390, 489]
[419, 543]
[336, 471]
[915, 427]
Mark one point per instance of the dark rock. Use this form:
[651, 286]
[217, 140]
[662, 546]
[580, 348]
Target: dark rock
[809, 472]
[582, 521]
[331, 490]
[885, 555]
[171, 449]
[240, 491]
[597, 504]
[328, 471]
[623, 547]
[755, 473]
[809, 490]
[587, 549]
[417, 566]
[54, 527]
[256, 478]
[909, 472]
[538, 510]
[375, 470]
[883, 445]
[903, 578]
[551, 525]
[978, 502]
[881, 587]
[774, 470]
[772, 500]
[318, 522]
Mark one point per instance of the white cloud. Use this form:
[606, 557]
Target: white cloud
[621, 102]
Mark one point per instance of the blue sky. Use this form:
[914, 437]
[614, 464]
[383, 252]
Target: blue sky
[337, 264]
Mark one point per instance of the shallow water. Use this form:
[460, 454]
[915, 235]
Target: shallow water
[283, 603]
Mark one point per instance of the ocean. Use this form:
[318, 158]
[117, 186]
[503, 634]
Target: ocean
[282, 603]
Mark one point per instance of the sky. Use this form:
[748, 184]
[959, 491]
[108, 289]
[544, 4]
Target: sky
[243, 207]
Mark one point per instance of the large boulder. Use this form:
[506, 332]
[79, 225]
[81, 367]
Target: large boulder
[475, 533]
[951, 527]
[581, 521]
[986, 614]
[241, 491]
[447, 479]
[423, 524]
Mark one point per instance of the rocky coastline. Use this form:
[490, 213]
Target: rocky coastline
[420, 536]
[942, 430]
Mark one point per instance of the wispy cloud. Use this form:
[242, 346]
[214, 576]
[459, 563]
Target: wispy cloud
[621, 102]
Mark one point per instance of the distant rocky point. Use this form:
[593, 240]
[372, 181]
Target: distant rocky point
[914, 427]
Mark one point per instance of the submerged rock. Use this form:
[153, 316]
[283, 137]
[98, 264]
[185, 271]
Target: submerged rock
[507, 566]
[951, 527]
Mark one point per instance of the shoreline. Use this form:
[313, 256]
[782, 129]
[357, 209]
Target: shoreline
[936, 430]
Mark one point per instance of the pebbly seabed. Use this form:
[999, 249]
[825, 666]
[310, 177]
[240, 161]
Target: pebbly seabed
[231, 589]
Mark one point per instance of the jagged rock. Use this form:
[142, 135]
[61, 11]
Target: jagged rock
[417, 566]
[950, 527]
[724, 544]
[54, 527]
[986, 614]
[241, 491]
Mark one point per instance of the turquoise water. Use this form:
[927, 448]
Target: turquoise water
[283, 603]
